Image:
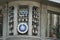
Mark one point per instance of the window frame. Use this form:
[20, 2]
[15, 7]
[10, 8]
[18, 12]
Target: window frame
[52, 12]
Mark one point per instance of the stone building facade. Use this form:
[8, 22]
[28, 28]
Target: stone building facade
[29, 20]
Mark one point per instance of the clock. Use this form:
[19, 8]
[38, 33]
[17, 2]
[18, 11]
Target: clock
[22, 28]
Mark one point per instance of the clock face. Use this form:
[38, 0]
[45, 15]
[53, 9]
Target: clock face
[22, 28]
[23, 11]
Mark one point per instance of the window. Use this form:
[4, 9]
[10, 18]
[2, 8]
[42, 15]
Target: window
[35, 21]
[11, 20]
[1, 24]
[53, 24]
[23, 17]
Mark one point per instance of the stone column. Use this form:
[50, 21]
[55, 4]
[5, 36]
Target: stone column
[43, 21]
[30, 20]
[15, 19]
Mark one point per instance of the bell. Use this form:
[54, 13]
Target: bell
[36, 32]
[26, 20]
[19, 19]
[22, 19]
[34, 26]
[36, 17]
